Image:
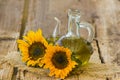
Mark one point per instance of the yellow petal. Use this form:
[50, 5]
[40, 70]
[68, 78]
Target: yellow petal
[38, 35]
[31, 36]
[31, 63]
[22, 43]
[24, 59]
[27, 39]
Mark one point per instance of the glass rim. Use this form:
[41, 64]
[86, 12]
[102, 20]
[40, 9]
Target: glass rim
[74, 12]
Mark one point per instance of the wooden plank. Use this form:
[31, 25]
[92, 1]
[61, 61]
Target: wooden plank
[7, 46]
[7, 69]
[95, 56]
[42, 12]
[108, 34]
[91, 71]
[37, 16]
[10, 23]
[10, 15]
[7, 72]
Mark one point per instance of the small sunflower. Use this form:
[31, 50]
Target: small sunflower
[58, 60]
[33, 48]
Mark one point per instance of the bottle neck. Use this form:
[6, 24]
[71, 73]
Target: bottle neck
[72, 25]
[73, 17]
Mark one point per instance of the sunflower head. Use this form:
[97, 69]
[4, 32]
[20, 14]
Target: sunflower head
[33, 48]
[58, 60]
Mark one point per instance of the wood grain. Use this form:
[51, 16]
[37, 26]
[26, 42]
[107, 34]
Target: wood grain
[92, 71]
[17, 18]
[108, 34]
[42, 12]
[10, 23]
[95, 56]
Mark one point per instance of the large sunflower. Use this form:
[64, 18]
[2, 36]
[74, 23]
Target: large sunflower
[33, 48]
[58, 60]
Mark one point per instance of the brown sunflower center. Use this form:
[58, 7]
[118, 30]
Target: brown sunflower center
[59, 60]
[37, 50]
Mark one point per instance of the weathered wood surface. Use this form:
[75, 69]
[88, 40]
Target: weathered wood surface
[10, 24]
[19, 16]
[108, 34]
[12, 68]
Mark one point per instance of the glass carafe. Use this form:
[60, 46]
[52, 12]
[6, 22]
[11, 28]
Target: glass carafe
[81, 48]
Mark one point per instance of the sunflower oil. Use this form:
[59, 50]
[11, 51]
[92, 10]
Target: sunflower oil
[81, 49]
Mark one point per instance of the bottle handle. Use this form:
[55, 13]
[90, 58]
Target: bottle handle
[57, 28]
[89, 28]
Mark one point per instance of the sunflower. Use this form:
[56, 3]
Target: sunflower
[58, 60]
[33, 48]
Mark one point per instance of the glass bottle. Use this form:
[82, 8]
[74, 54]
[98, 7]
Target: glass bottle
[81, 48]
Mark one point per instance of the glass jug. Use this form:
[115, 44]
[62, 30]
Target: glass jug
[81, 48]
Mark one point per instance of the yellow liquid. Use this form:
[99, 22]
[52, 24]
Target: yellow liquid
[52, 40]
[81, 50]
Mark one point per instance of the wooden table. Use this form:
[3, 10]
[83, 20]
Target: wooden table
[19, 16]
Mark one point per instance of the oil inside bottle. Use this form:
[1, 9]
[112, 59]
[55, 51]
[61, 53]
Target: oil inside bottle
[81, 49]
